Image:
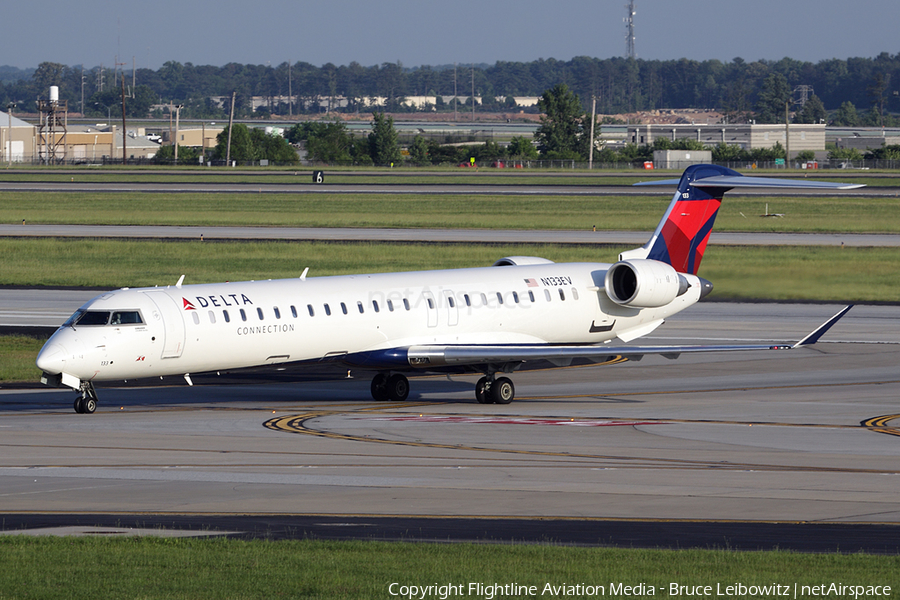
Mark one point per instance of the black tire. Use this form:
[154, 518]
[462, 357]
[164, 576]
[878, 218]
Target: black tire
[397, 387]
[79, 405]
[482, 396]
[379, 387]
[503, 391]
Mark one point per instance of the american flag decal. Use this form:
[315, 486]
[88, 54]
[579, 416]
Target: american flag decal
[531, 282]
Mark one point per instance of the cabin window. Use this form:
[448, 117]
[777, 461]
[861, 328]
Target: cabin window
[375, 305]
[390, 305]
[327, 310]
[451, 301]
[574, 294]
[343, 308]
[225, 315]
[127, 317]
[531, 295]
[243, 315]
[311, 310]
[483, 299]
[406, 303]
[499, 298]
[430, 302]
[294, 311]
[212, 317]
[359, 306]
[467, 299]
[259, 313]
[277, 312]
[516, 297]
[196, 317]
[547, 294]
[562, 294]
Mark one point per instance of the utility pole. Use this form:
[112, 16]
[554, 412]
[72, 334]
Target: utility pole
[454, 91]
[593, 120]
[178, 108]
[124, 129]
[787, 136]
[230, 122]
[473, 92]
[9, 108]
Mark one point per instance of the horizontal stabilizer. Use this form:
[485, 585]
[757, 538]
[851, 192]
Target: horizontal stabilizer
[738, 181]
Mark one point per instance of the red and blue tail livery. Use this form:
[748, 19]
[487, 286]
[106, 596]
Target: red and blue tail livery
[680, 238]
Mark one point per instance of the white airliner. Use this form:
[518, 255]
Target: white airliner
[522, 312]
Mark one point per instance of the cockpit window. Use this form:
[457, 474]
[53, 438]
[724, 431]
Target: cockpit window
[126, 317]
[89, 317]
[85, 318]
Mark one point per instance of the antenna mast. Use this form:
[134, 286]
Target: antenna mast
[629, 30]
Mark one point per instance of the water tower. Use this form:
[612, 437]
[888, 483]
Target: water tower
[53, 128]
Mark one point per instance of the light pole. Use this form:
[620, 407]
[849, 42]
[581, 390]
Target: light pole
[9, 109]
[178, 108]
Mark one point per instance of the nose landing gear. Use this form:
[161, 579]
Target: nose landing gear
[86, 402]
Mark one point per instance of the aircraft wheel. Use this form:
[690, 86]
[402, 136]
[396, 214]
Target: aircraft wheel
[379, 387]
[79, 405]
[503, 391]
[397, 387]
[89, 405]
[482, 392]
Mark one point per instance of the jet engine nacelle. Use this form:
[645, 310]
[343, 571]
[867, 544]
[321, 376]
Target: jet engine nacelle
[644, 283]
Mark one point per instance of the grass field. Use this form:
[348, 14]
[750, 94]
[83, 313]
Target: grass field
[76, 568]
[638, 213]
[773, 273]
[427, 175]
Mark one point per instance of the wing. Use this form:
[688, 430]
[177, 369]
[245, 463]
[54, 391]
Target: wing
[448, 356]
[508, 357]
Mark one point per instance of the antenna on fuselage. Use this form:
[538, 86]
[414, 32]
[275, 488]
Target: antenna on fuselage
[303, 275]
[180, 281]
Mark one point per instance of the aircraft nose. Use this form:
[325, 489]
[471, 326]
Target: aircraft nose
[52, 359]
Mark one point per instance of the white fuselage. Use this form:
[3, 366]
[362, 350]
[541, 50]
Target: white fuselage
[212, 327]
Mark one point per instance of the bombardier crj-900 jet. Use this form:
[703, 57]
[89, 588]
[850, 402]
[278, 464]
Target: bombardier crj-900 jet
[521, 313]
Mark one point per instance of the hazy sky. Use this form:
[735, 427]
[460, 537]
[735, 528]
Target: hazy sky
[426, 32]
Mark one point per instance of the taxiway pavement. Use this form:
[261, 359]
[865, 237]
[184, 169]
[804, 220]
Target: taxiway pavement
[809, 435]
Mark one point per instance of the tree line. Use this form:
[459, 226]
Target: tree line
[868, 85]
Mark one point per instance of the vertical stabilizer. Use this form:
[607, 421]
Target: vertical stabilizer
[680, 238]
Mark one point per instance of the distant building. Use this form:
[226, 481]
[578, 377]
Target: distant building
[17, 139]
[747, 136]
[863, 138]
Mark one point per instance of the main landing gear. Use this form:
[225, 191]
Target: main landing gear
[494, 391]
[390, 387]
[487, 391]
[86, 402]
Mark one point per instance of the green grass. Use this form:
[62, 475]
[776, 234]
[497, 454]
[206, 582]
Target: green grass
[17, 354]
[762, 273]
[74, 568]
[641, 213]
[403, 175]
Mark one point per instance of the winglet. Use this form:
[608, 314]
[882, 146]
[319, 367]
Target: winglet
[813, 337]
